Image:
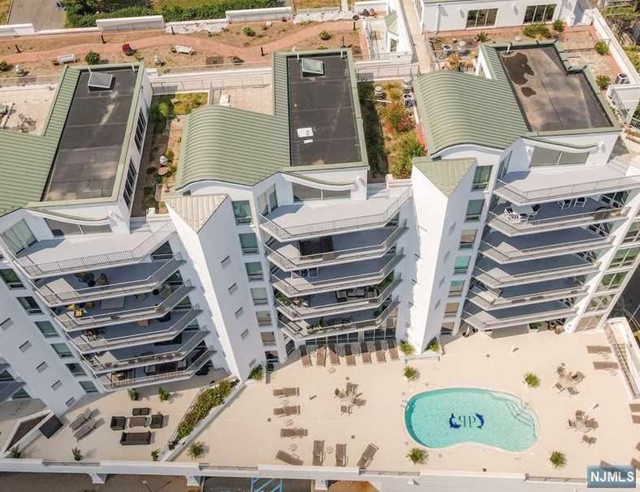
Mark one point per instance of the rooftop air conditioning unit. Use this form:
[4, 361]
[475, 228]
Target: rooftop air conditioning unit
[622, 78]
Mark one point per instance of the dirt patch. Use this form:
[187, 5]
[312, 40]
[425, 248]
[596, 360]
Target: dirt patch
[314, 4]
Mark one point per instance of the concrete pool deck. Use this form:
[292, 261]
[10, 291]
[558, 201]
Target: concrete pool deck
[248, 434]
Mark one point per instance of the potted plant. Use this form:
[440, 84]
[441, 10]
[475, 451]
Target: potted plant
[257, 373]
[92, 58]
[532, 380]
[411, 373]
[133, 394]
[15, 453]
[196, 450]
[325, 35]
[77, 454]
[406, 348]
[434, 345]
[557, 459]
[163, 394]
[155, 454]
[417, 455]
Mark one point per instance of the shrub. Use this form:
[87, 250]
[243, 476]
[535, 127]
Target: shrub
[537, 31]
[236, 60]
[406, 348]
[482, 37]
[92, 58]
[434, 345]
[77, 454]
[155, 454]
[4, 66]
[603, 82]
[15, 453]
[325, 35]
[411, 373]
[196, 450]
[257, 373]
[558, 25]
[133, 394]
[206, 400]
[248, 31]
[408, 146]
[532, 380]
[417, 455]
[398, 118]
[163, 394]
[169, 154]
[558, 459]
[601, 48]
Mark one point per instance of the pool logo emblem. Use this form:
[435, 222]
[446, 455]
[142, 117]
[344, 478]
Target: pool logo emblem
[468, 421]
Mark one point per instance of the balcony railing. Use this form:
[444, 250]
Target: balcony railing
[333, 257]
[505, 256]
[53, 298]
[71, 323]
[347, 282]
[488, 300]
[194, 367]
[299, 332]
[139, 336]
[296, 312]
[504, 280]
[90, 262]
[335, 226]
[501, 222]
[145, 360]
[478, 323]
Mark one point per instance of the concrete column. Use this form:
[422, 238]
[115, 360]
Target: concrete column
[98, 478]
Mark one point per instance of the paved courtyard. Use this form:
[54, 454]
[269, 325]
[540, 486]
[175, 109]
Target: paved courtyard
[43, 14]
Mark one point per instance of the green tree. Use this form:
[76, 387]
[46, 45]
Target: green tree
[92, 58]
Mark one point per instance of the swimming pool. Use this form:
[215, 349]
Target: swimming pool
[441, 418]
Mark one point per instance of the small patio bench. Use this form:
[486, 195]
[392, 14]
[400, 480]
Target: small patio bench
[289, 459]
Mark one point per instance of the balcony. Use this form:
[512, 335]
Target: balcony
[123, 310]
[367, 320]
[497, 276]
[116, 282]
[551, 216]
[333, 250]
[140, 356]
[506, 318]
[77, 254]
[553, 290]
[133, 334]
[330, 303]
[505, 249]
[343, 277]
[164, 373]
[315, 219]
[533, 186]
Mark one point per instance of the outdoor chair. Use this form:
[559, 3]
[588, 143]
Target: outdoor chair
[304, 357]
[579, 414]
[367, 457]
[118, 423]
[345, 409]
[341, 455]
[558, 386]
[589, 440]
[80, 420]
[140, 421]
[318, 453]
[157, 421]
[352, 388]
[572, 391]
[85, 430]
[321, 356]
[348, 353]
[289, 459]
[364, 351]
[333, 355]
[380, 357]
[572, 424]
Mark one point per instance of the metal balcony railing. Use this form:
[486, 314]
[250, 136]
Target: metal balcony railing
[501, 222]
[53, 298]
[33, 268]
[194, 367]
[70, 323]
[332, 257]
[488, 300]
[335, 226]
[139, 336]
[295, 312]
[347, 282]
[478, 323]
[505, 279]
[504, 255]
[299, 332]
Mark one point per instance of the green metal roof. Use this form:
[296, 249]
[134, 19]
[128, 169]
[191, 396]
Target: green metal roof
[445, 174]
[459, 108]
[25, 160]
[391, 22]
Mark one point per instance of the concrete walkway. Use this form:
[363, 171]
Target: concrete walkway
[417, 39]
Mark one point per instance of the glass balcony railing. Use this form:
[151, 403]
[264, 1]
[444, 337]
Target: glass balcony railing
[490, 300]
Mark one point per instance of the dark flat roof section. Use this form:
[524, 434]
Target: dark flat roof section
[87, 160]
[550, 97]
[322, 120]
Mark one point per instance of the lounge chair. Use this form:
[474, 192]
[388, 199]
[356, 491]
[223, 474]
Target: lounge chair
[289, 459]
[135, 438]
[634, 407]
[141, 411]
[345, 409]
[380, 357]
[589, 440]
[572, 391]
[635, 463]
[598, 349]
[157, 421]
[341, 455]
[333, 355]
[80, 420]
[635, 419]
[348, 354]
[321, 356]
[605, 365]
[364, 351]
[278, 392]
[291, 391]
[118, 423]
[393, 350]
[298, 432]
[318, 453]
[367, 457]
[558, 386]
[287, 411]
[85, 430]
[304, 357]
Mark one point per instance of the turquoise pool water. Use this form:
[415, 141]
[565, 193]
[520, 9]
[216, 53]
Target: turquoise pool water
[441, 418]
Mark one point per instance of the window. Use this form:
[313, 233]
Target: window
[42, 367]
[264, 318]
[468, 238]
[21, 394]
[140, 128]
[88, 387]
[56, 385]
[481, 178]
[624, 257]
[76, 369]
[18, 237]
[244, 334]
[47, 329]
[30, 305]
[539, 13]
[598, 303]
[612, 281]
[7, 323]
[482, 18]
[130, 184]
[25, 346]
[633, 234]
[61, 229]
[474, 210]
[242, 212]
[6, 376]
[233, 288]
[259, 296]
[462, 264]
[70, 402]
[617, 199]
[164, 252]
[268, 338]
[226, 261]
[249, 243]
[268, 201]
[447, 328]
[11, 279]
[239, 312]
[549, 157]
[455, 288]
[62, 350]
[303, 193]
[451, 308]
[254, 271]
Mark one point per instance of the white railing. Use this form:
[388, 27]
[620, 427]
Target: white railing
[478, 323]
[498, 254]
[480, 297]
[538, 274]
